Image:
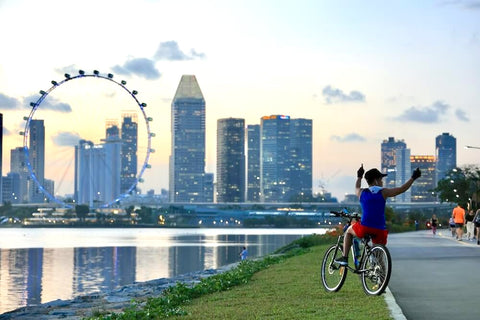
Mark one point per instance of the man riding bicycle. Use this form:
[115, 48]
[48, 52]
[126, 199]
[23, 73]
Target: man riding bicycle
[372, 201]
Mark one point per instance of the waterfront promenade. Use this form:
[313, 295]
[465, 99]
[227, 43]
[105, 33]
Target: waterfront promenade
[434, 277]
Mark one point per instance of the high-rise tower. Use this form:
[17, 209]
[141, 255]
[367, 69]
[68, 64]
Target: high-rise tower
[286, 158]
[187, 158]
[445, 154]
[231, 160]
[37, 159]
[389, 161]
[253, 163]
[129, 138]
[1, 156]
[17, 165]
[301, 152]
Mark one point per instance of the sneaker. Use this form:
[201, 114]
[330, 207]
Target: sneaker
[343, 261]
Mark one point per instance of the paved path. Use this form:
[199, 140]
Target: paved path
[435, 277]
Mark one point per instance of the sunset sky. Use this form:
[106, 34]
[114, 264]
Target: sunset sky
[362, 70]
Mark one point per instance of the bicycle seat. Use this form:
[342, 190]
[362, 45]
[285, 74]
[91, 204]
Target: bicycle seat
[369, 236]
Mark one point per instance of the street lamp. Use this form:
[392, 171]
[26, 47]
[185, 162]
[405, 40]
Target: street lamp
[471, 147]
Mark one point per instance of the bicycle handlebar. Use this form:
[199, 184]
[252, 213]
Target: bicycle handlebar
[347, 215]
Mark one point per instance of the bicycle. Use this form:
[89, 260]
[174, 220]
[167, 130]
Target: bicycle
[372, 262]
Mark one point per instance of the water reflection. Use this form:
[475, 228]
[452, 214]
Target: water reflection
[31, 276]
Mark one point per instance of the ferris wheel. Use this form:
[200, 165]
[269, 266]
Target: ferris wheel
[35, 105]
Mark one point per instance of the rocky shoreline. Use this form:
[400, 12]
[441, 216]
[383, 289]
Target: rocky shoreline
[113, 301]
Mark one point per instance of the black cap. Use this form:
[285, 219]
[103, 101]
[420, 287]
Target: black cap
[373, 174]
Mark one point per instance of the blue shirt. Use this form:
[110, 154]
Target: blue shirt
[373, 208]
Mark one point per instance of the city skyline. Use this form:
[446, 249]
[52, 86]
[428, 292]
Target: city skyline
[356, 69]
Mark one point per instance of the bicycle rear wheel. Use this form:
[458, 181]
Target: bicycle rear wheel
[333, 274]
[378, 268]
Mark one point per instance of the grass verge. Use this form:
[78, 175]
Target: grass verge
[279, 287]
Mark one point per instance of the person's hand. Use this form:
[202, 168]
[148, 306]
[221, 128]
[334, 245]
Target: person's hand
[416, 174]
[360, 172]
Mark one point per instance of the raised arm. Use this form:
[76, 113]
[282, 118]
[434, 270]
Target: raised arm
[358, 183]
[392, 192]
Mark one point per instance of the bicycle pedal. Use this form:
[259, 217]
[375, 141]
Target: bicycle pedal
[342, 270]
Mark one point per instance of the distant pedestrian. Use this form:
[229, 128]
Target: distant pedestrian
[451, 224]
[470, 225]
[458, 215]
[476, 221]
[416, 225]
[244, 254]
[434, 224]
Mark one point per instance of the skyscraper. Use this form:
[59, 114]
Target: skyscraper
[17, 165]
[187, 158]
[403, 172]
[422, 189]
[388, 160]
[253, 163]
[37, 159]
[301, 152]
[129, 137]
[286, 161]
[97, 172]
[231, 160]
[445, 154]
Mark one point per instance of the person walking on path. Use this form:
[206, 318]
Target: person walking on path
[451, 225]
[458, 215]
[372, 200]
[434, 223]
[476, 221]
[470, 225]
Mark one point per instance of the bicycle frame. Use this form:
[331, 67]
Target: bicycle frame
[365, 249]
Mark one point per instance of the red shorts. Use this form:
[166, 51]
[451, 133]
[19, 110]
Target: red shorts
[379, 235]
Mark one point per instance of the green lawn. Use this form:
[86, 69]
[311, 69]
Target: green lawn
[289, 290]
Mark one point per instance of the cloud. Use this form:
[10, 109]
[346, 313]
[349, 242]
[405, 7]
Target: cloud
[333, 95]
[141, 67]
[8, 103]
[351, 137]
[66, 139]
[466, 4]
[461, 115]
[170, 51]
[71, 69]
[49, 103]
[429, 114]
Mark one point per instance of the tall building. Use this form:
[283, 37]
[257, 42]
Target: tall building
[286, 161]
[301, 152]
[403, 172]
[18, 165]
[230, 160]
[11, 188]
[187, 158]
[129, 138]
[446, 155]
[253, 163]
[97, 172]
[388, 160]
[37, 159]
[422, 189]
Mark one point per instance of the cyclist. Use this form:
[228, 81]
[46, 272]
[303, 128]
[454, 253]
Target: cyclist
[372, 201]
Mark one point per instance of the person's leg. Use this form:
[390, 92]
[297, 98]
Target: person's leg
[347, 241]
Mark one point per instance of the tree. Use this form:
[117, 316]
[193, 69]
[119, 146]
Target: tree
[461, 185]
[82, 211]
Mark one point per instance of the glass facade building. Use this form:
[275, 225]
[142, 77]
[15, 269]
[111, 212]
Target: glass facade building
[253, 163]
[422, 189]
[129, 138]
[389, 161]
[187, 158]
[446, 155]
[403, 172]
[37, 159]
[286, 158]
[230, 160]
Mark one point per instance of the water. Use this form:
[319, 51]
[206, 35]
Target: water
[39, 265]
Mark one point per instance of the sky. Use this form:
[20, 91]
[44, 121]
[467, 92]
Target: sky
[363, 71]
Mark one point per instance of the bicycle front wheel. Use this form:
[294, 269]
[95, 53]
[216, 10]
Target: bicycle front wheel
[333, 274]
[377, 268]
